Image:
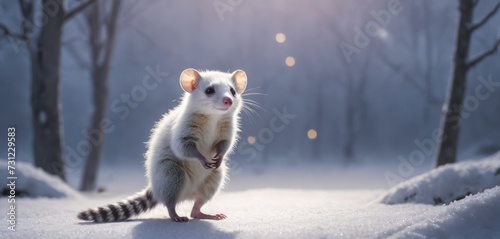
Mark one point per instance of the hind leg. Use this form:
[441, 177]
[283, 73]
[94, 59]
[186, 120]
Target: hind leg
[173, 214]
[206, 191]
[169, 185]
[196, 212]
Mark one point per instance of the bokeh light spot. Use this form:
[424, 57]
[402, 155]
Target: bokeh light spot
[251, 140]
[312, 134]
[290, 61]
[280, 37]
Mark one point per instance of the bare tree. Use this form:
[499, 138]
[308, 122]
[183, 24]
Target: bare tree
[450, 121]
[45, 77]
[355, 85]
[100, 55]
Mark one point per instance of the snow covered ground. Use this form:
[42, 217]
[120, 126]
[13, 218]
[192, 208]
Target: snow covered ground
[301, 202]
[34, 182]
[448, 183]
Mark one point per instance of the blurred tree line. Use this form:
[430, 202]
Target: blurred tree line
[386, 94]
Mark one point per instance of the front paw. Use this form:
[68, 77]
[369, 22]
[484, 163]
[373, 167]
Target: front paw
[208, 165]
[218, 158]
[205, 163]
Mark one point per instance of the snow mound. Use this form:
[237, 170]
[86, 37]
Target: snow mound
[34, 182]
[448, 183]
[474, 217]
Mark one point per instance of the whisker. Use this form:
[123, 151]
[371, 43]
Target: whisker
[255, 113]
[248, 112]
[249, 109]
[254, 104]
[251, 101]
[251, 94]
[250, 116]
[257, 87]
[250, 106]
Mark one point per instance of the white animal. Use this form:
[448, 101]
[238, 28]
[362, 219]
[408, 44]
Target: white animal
[187, 150]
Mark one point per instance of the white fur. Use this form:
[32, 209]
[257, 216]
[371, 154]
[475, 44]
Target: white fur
[165, 143]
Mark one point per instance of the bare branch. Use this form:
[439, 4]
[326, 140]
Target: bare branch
[26, 9]
[485, 54]
[27, 13]
[8, 32]
[111, 30]
[93, 20]
[485, 19]
[78, 9]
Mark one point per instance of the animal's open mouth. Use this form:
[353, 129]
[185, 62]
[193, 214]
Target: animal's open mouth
[223, 108]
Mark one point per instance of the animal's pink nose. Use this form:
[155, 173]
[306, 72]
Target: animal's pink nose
[227, 101]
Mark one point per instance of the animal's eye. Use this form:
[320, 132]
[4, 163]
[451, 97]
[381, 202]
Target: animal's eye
[232, 91]
[209, 90]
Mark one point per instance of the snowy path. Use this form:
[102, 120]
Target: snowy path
[272, 213]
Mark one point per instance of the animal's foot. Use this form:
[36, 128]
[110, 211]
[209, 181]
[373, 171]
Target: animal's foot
[180, 219]
[201, 215]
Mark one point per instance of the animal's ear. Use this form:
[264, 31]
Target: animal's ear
[239, 78]
[189, 79]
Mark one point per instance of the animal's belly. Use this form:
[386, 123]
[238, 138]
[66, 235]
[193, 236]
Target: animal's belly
[207, 150]
[207, 142]
[195, 175]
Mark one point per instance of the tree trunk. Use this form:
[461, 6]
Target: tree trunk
[450, 121]
[45, 61]
[100, 96]
[100, 75]
[318, 125]
[350, 135]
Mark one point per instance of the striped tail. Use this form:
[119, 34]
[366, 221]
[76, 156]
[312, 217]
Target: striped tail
[123, 210]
